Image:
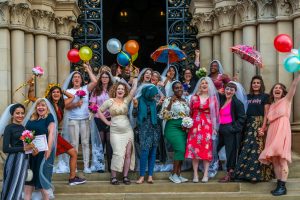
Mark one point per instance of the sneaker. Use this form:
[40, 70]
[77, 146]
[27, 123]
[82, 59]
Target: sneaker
[174, 178]
[204, 179]
[195, 179]
[76, 181]
[87, 170]
[183, 180]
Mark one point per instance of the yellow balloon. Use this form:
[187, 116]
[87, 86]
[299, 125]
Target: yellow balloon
[85, 53]
[134, 57]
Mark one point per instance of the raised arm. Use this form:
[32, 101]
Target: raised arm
[69, 99]
[31, 91]
[293, 87]
[134, 87]
[92, 76]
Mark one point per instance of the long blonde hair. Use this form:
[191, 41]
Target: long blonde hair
[35, 115]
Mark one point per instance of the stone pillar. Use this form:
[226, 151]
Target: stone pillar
[216, 47]
[18, 68]
[238, 39]
[63, 46]
[206, 51]
[52, 60]
[296, 25]
[249, 70]
[5, 64]
[226, 54]
[29, 54]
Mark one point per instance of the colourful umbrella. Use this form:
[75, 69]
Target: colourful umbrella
[168, 54]
[249, 54]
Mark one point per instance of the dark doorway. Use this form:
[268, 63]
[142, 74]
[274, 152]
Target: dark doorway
[140, 20]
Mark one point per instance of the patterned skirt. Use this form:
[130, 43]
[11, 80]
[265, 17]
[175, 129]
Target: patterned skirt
[15, 172]
[248, 166]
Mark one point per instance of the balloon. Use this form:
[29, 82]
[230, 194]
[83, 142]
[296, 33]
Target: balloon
[294, 52]
[113, 45]
[134, 57]
[85, 53]
[283, 43]
[123, 58]
[73, 56]
[132, 47]
[292, 64]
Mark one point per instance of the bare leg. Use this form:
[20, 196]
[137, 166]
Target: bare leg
[28, 192]
[284, 169]
[195, 167]
[113, 173]
[277, 168]
[45, 194]
[73, 162]
[205, 165]
[127, 159]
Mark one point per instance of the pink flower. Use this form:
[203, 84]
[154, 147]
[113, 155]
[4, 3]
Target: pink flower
[93, 108]
[80, 93]
[38, 71]
[27, 136]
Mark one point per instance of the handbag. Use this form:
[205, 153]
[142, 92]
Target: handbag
[29, 175]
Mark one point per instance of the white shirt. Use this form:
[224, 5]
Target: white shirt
[81, 112]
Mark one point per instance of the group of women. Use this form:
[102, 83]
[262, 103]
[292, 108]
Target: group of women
[140, 116]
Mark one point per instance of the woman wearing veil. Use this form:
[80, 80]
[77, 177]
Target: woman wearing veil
[233, 106]
[204, 107]
[169, 75]
[216, 73]
[42, 120]
[16, 164]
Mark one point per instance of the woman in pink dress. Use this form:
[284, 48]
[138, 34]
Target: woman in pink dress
[278, 143]
[204, 111]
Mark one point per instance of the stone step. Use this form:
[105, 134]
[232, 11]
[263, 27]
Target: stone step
[179, 196]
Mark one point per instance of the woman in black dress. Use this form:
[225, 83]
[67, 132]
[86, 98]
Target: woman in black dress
[248, 167]
[16, 164]
[42, 119]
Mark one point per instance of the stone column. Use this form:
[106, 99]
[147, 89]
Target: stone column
[249, 70]
[225, 15]
[29, 54]
[52, 60]
[42, 19]
[5, 64]
[238, 39]
[296, 25]
[206, 51]
[216, 47]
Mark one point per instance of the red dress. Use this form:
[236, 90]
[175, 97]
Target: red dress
[199, 141]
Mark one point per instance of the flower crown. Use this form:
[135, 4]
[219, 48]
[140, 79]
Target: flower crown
[50, 85]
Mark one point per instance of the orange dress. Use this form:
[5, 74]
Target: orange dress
[278, 142]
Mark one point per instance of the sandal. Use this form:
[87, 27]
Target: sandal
[126, 180]
[114, 181]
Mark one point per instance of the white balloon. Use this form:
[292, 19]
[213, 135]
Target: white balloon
[113, 45]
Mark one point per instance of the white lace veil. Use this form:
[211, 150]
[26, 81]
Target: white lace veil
[141, 74]
[67, 81]
[46, 167]
[241, 94]
[164, 74]
[5, 119]
[213, 100]
[221, 69]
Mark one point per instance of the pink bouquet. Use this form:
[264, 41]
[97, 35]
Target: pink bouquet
[94, 108]
[27, 136]
[80, 93]
[38, 71]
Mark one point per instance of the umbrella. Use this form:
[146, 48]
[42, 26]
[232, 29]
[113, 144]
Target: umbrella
[248, 54]
[168, 54]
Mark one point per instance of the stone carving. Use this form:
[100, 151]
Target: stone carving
[19, 13]
[64, 25]
[4, 12]
[42, 19]
[295, 5]
[266, 8]
[225, 15]
[203, 22]
[246, 10]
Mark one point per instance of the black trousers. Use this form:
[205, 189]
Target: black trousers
[231, 139]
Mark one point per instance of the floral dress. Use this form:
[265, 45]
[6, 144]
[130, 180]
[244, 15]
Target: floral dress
[199, 140]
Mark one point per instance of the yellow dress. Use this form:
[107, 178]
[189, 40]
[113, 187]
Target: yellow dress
[121, 132]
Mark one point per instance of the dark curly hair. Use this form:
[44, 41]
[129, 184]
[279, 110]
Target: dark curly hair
[61, 102]
[99, 87]
[113, 90]
[284, 92]
[262, 84]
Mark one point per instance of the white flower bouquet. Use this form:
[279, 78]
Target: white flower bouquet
[187, 122]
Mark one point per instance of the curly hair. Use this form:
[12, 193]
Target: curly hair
[61, 102]
[284, 92]
[113, 90]
[99, 87]
[262, 84]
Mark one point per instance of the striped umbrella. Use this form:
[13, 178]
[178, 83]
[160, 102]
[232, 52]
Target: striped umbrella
[168, 54]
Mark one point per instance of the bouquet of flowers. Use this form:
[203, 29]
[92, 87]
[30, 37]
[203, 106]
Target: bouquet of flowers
[27, 136]
[80, 93]
[201, 72]
[93, 108]
[187, 122]
[37, 71]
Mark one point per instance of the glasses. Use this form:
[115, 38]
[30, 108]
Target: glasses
[230, 89]
[105, 77]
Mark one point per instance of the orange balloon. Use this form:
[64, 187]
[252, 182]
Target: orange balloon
[132, 47]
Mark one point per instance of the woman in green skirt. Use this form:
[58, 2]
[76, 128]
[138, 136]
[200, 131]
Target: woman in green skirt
[174, 109]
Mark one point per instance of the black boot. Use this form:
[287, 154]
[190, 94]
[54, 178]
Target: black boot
[280, 190]
[277, 186]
